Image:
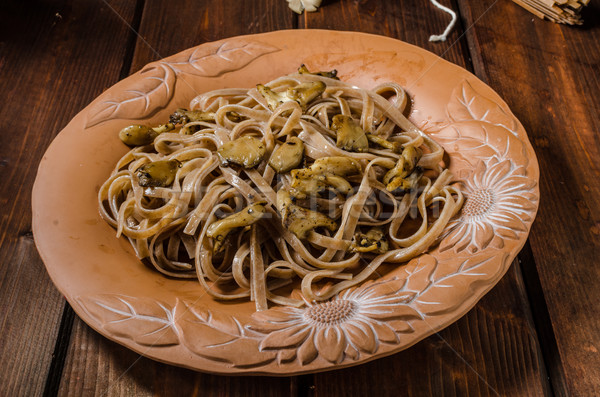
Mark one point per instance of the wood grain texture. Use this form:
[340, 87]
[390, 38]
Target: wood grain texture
[412, 21]
[491, 351]
[98, 366]
[170, 27]
[55, 57]
[548, 74]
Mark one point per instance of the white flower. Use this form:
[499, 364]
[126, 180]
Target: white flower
[300, 5]
[355, 321]
[500, 198]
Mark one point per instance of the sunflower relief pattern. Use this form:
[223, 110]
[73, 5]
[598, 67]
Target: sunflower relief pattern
[501, 199]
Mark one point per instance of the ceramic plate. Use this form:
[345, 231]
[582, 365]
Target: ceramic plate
[175, 322]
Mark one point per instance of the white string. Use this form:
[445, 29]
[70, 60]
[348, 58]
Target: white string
[444, 35]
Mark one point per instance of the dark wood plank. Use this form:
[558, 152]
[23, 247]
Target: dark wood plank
[97, 366]
[49, 69]
[493, 349]
[548, 74]
[54, 58]
[412, 21]
[170, 27]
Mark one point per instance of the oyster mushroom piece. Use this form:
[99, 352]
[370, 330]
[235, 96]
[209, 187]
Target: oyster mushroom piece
[304, 185]
[287, 156]
[306, 92]
[337, 165]
[350, 136]
[137, 135]
[324, 173]
[373, 241]
[405, 165]
[157, 173]
[274, 99]
[283, 202]
[219, 230]
[184, 116]
[140, 135]
[406, 184]
[301, 94]
[164, 128]
[332, 74]
[395, 147]
[246, 151]
[299, 220]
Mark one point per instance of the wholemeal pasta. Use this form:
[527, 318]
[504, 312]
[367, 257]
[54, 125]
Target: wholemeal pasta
[305, 180]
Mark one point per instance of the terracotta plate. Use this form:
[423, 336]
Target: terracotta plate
[176, 322]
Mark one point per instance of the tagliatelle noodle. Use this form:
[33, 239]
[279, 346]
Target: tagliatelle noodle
[168, 226]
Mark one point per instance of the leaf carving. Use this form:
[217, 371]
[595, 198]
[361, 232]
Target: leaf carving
[220, 337]
[144, 320]
[449, 291]
[215, 59]
[467, 104]
[356, 321]
[142, 98]
[471, 141]
[419, 273]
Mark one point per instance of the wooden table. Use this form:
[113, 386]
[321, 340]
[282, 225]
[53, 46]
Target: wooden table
[536, 333]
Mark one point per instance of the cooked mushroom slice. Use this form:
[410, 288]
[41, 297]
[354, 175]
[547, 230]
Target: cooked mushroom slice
[311, 185]
[137, 135]
[301, 94]
[283, 202]
[246, 151]
[373, 241]
[299, 220]
[307, 187]
[140, 135]
[338, 183]
[158, 173]
[331, 74]
[406, 163]
[324, 173]
[350, 136]
[274, 99]
[164, 128]
[184, 116]
[406, 184]
[220, 229]
[337, 165]
[395, 147]
[287, 156]
[306, 92]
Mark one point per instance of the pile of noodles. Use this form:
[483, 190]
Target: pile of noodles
[167, 226]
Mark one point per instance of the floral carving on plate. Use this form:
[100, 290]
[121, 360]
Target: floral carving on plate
[353, 324]
[500, 195]
[146, 321]
[156, 87]
[174, 321]
[355, 321]
[500, 201]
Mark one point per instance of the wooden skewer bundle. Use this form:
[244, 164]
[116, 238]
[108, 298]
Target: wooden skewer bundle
[560, 11]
